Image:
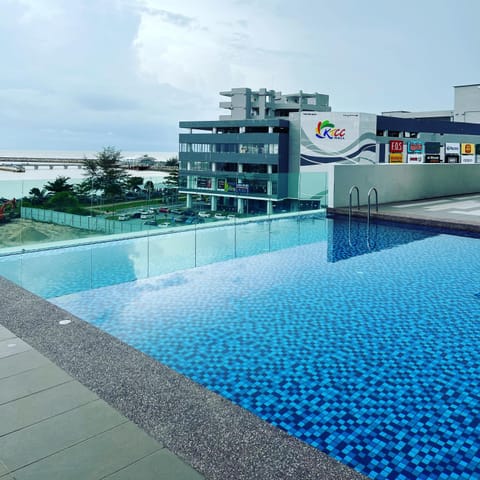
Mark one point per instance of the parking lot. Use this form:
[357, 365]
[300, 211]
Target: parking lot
[163, 216]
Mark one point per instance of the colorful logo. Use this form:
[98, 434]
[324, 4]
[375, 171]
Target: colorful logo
[326, 129]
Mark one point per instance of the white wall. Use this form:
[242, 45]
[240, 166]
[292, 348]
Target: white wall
[403, 182]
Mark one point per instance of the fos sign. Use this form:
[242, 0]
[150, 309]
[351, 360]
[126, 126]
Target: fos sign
[326, 129]
[396, 146]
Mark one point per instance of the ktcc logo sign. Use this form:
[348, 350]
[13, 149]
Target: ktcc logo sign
[326, 129]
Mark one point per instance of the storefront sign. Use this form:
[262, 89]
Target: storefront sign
[326, 129]
[203, 182]
[468, 158]
[396, 158]
[432, 158]
[396, 146]
[468, 148]
[415, 147]
[241, 188]
[414, 158]
[452, 149]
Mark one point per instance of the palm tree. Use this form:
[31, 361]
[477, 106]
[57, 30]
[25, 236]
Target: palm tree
[60, 184]
[37, 196]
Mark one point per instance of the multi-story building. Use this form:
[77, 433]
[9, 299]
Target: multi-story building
[241, 161]
[273, 151]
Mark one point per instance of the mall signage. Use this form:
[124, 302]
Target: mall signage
[468, 148]
[432, 158]
[452, 148]
[396, 158]
[396, 146]
[415, 147]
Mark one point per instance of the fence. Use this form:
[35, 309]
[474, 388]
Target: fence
[94, 224]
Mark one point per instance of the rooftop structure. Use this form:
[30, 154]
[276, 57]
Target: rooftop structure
[262, 104]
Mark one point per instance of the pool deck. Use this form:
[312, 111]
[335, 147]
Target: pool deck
[458, 212]
[77, 403]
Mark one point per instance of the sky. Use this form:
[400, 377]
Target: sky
[85, 74]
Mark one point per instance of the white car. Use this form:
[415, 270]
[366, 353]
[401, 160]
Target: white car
[204, 214]
[123, 217]
[219, 216]
[145, 216]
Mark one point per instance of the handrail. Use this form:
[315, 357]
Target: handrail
[354, 187]
[373, 189]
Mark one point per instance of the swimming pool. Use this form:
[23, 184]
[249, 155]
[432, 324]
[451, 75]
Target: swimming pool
[361, 343]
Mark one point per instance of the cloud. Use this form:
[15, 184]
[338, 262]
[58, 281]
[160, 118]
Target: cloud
[89, 73]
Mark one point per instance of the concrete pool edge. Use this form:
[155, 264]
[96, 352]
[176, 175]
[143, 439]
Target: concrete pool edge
[216, 437]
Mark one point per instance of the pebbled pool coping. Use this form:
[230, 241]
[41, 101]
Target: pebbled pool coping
[216, 437]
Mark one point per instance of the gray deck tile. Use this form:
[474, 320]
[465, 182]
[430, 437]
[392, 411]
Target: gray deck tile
[21, 362]
[161, 465]
[5, 333]
[31, 381]
[50, 436]
[95, 458]
[35, 408]
[12, 346]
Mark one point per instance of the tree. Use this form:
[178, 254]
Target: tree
[105, 172]
[172, 162]
[149, 186]
[172, 179]
[134, 183]
[37, 196]
[63, 202]
[60, 184]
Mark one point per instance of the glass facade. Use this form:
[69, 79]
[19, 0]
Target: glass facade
[235, 163]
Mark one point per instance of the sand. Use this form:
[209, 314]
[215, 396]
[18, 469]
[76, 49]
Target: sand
[19, 232]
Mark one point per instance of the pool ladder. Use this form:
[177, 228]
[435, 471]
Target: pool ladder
[350, 193]
[354, 188]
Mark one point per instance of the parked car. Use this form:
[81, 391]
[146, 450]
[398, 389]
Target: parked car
[189, 213]
[146, 215]
[220, 216]
[135, 215]
[150, 222]
[124, 217]
[164, 210]
[204, 214]
[194, 220]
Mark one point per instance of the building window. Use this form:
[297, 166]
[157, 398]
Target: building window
[254, 168]
[411, 134]
[393, 133]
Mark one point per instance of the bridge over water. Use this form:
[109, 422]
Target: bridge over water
[42, 162]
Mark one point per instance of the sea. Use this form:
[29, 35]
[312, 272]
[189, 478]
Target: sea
[19, 184]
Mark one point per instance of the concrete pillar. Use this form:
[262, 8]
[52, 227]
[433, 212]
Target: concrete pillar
[214, 203]
[189, 200]
[240, 205]
[269, 207]
[269, 182]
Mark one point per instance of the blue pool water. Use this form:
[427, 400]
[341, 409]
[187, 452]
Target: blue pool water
[364, 344]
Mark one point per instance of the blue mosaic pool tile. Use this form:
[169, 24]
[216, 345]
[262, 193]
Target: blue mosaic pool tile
[371, 356]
